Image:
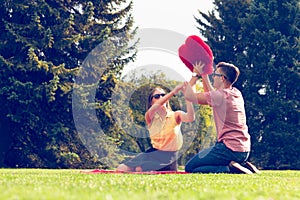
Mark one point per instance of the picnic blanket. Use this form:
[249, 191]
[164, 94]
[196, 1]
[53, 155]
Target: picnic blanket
[107, 171]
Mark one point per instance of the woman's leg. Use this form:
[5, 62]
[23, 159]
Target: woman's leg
[134, 164]
[161, 161]
[170, 163]
[124, 168]
[151, 160]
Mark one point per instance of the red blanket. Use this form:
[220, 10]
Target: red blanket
[106, 171]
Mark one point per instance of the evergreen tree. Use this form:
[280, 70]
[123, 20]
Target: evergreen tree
[44, 44]
[222, 29]
[262, 39]
[274, 73]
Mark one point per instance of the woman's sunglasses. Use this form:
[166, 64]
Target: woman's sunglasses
[157, 96]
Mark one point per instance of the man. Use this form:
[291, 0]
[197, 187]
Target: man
[230, 153]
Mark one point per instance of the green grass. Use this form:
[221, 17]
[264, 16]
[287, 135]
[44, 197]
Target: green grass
[71, 184]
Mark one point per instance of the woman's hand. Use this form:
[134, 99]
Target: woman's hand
[185, 85]
[178, 88]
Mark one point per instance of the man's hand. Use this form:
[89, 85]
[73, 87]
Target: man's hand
[198, 67]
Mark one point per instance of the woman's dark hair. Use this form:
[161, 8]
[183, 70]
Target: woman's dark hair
[148, 105]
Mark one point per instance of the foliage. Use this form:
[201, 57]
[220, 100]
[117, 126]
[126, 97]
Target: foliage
[43, 47]
[71, 184]
[262, 39]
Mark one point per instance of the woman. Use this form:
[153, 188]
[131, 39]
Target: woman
[164, 127]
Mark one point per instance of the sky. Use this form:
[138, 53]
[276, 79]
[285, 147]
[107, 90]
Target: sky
[169, 22]
[176, 15]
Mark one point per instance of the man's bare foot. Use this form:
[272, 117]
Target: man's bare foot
[239, 168]
[252, 167]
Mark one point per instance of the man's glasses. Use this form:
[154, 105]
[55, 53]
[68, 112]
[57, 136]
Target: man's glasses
[219, 75]
[157, 96]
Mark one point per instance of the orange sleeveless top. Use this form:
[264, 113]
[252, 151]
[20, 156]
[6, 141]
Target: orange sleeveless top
[165, 134]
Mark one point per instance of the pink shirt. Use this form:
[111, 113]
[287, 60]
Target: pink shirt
[230, 118]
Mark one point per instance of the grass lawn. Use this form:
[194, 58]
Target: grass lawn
[71, 184]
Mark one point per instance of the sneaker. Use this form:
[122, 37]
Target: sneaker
[251, 167]
[238, 168]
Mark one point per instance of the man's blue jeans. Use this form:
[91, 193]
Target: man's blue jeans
[215, 160]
